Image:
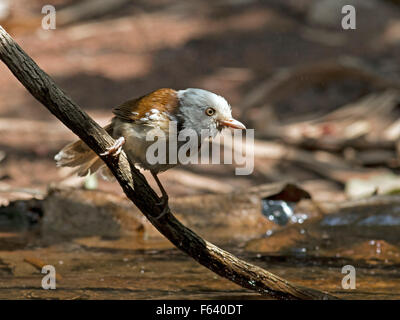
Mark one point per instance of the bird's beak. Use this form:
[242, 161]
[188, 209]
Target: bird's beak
[232, 123]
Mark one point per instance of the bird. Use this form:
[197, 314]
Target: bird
[192, 108]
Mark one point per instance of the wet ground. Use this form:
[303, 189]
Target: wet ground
[99, 273]
[130, 260]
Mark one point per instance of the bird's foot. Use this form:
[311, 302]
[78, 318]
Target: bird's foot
[115, 149]
[164, 204]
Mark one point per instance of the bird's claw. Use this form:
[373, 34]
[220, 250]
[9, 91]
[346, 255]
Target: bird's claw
[115, 149]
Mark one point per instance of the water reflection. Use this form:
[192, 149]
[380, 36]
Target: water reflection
[281, 212]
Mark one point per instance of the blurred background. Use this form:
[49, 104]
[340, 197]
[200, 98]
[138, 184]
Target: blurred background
[324, 103]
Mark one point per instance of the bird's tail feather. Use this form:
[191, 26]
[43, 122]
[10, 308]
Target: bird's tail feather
[78, 154]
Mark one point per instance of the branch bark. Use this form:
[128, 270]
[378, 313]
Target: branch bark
[136, 188]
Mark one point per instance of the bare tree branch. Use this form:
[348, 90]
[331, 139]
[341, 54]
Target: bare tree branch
[136, 188]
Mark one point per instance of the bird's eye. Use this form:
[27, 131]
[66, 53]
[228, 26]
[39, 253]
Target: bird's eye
[210, 112]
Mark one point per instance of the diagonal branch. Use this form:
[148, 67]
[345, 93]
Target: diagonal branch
[135, 186]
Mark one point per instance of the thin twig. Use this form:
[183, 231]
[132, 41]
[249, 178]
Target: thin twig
[136, 188]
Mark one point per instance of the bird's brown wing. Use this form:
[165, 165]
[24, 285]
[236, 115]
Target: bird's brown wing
[164, 100]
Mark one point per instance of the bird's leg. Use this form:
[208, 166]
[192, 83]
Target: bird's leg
[164, 197]
[116, 148]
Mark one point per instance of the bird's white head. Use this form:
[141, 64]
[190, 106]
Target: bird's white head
[203, 110]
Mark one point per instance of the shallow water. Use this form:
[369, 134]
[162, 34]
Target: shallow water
[311, 253]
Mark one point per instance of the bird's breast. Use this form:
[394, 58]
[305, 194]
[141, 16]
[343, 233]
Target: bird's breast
[141, 140]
